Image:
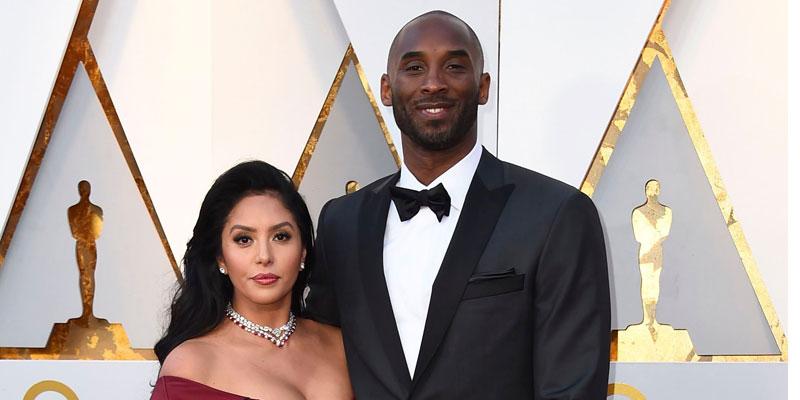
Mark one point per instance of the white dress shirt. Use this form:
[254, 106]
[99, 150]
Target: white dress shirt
[413, 251]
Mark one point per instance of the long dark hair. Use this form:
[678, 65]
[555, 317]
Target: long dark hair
[200, 301]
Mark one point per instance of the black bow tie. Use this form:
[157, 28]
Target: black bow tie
[409, 201]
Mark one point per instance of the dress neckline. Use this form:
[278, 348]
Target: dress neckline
[186, 380]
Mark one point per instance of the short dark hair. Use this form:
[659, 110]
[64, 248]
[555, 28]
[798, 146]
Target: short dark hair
[200, 301]
[440, 13]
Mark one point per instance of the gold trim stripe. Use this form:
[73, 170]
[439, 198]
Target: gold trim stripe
[658, 46]
[621, 111]
[100, 88]
[324, 113]
[82, 339]
[66, 72]
[378, 116]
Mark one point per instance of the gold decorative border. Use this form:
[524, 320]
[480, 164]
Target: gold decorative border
[100, 88]
[378, 116]
[98, 340]
[327, 105]
[79, 50]
[623, 389]
[61, 86]
[657, 46]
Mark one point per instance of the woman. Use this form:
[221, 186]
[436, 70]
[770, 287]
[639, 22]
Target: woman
[236, 328]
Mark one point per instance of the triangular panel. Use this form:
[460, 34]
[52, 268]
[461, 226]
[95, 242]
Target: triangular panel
[83, 232]
[349, 143]
[698, 273]
[41, 261]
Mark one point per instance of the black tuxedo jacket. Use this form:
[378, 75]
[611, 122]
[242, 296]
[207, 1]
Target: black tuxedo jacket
[518, 310]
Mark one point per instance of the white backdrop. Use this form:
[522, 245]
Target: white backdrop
[199, 85]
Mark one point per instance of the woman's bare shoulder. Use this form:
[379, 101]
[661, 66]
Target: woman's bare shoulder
[324, 341]
[331, 377]
[327, 335]
[190, 359]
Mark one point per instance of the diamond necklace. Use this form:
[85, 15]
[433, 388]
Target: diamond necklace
[278, 336]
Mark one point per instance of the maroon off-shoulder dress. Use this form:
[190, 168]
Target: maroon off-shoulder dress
[175, 388]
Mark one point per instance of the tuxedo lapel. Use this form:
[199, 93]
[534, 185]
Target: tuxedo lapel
[485, 200]
[371, 228]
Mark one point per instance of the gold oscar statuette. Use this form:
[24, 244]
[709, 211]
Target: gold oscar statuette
[86, 224]
[651, 340]
[85, 337]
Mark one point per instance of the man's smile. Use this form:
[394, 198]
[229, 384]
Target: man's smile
[434, 110]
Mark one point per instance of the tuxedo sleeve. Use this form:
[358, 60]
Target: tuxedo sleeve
[572, 306]
[321, 302]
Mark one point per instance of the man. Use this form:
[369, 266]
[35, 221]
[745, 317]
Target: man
[491, 281]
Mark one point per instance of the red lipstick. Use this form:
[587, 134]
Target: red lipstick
[266, 279]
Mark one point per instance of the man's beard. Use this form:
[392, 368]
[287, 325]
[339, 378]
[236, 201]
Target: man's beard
[436, 136]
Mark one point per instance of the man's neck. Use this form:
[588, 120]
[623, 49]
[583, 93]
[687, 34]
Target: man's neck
[427, 165]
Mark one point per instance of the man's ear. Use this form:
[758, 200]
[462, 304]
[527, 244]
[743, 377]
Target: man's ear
[485, 81]
[386, 91]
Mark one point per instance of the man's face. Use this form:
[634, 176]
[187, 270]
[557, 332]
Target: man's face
[434, 84]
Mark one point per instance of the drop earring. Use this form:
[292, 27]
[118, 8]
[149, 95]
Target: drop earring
[222, 271]
[302, 265]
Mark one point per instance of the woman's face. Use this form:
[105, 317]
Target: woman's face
[261, 252]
